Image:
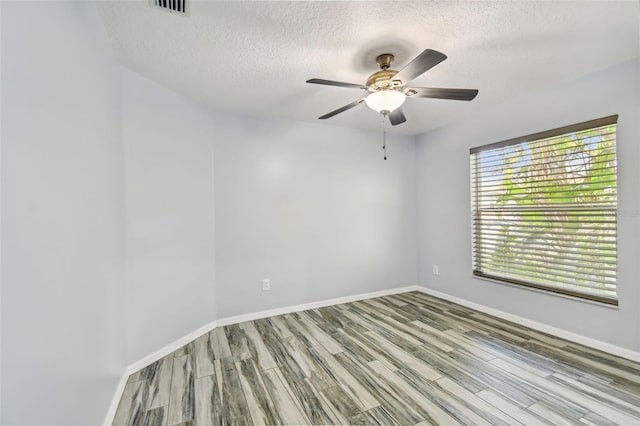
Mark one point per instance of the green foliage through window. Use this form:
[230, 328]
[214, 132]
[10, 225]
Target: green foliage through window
[545, 211]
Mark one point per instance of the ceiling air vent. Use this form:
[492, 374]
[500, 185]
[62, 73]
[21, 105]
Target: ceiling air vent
[170, 5]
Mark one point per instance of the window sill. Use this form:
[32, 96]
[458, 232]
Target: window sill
[548, 293]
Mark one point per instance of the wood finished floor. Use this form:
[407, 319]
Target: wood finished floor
[405, 359]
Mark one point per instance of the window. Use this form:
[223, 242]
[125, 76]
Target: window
[544, 210]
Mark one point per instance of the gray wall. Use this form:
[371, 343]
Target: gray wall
[444, 227]
[62, 216]
[102, 168]
[313, 207]
[170, 282]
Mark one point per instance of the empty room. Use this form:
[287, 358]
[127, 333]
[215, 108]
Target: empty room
[319, 212]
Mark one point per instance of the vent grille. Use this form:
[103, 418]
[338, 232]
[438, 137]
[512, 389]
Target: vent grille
[171, 5]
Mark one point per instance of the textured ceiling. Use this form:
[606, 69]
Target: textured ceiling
[254, 57]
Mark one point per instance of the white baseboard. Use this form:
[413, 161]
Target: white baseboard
[558, 332]
[177, 344]
[171, 347]
[111, 412]
[313, 305]
[150, 359]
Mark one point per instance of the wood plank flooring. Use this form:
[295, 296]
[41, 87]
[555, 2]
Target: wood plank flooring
[407, 359]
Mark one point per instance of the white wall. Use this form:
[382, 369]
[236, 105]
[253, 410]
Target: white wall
[62, 216]
[313, 207]
[170, 282]
[444, 227]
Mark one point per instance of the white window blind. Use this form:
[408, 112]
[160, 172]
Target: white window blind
[544, 210]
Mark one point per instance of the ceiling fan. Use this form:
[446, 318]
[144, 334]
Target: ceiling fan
[387, 89]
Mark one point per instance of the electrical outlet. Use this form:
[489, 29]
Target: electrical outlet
[266, 284]
[436, 270]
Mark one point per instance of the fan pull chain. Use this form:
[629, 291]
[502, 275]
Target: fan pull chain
[384, 136]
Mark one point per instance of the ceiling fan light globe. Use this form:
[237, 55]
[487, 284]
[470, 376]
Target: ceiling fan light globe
[385, 100]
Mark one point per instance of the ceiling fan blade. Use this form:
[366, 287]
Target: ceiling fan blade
[421, 63]
[397, 117]
[343, 109]
[336, 83]
[440, 93]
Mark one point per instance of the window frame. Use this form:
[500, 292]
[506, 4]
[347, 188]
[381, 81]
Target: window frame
[475, 212]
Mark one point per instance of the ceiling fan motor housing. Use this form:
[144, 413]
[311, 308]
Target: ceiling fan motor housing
[382, 80]
[385, 60]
